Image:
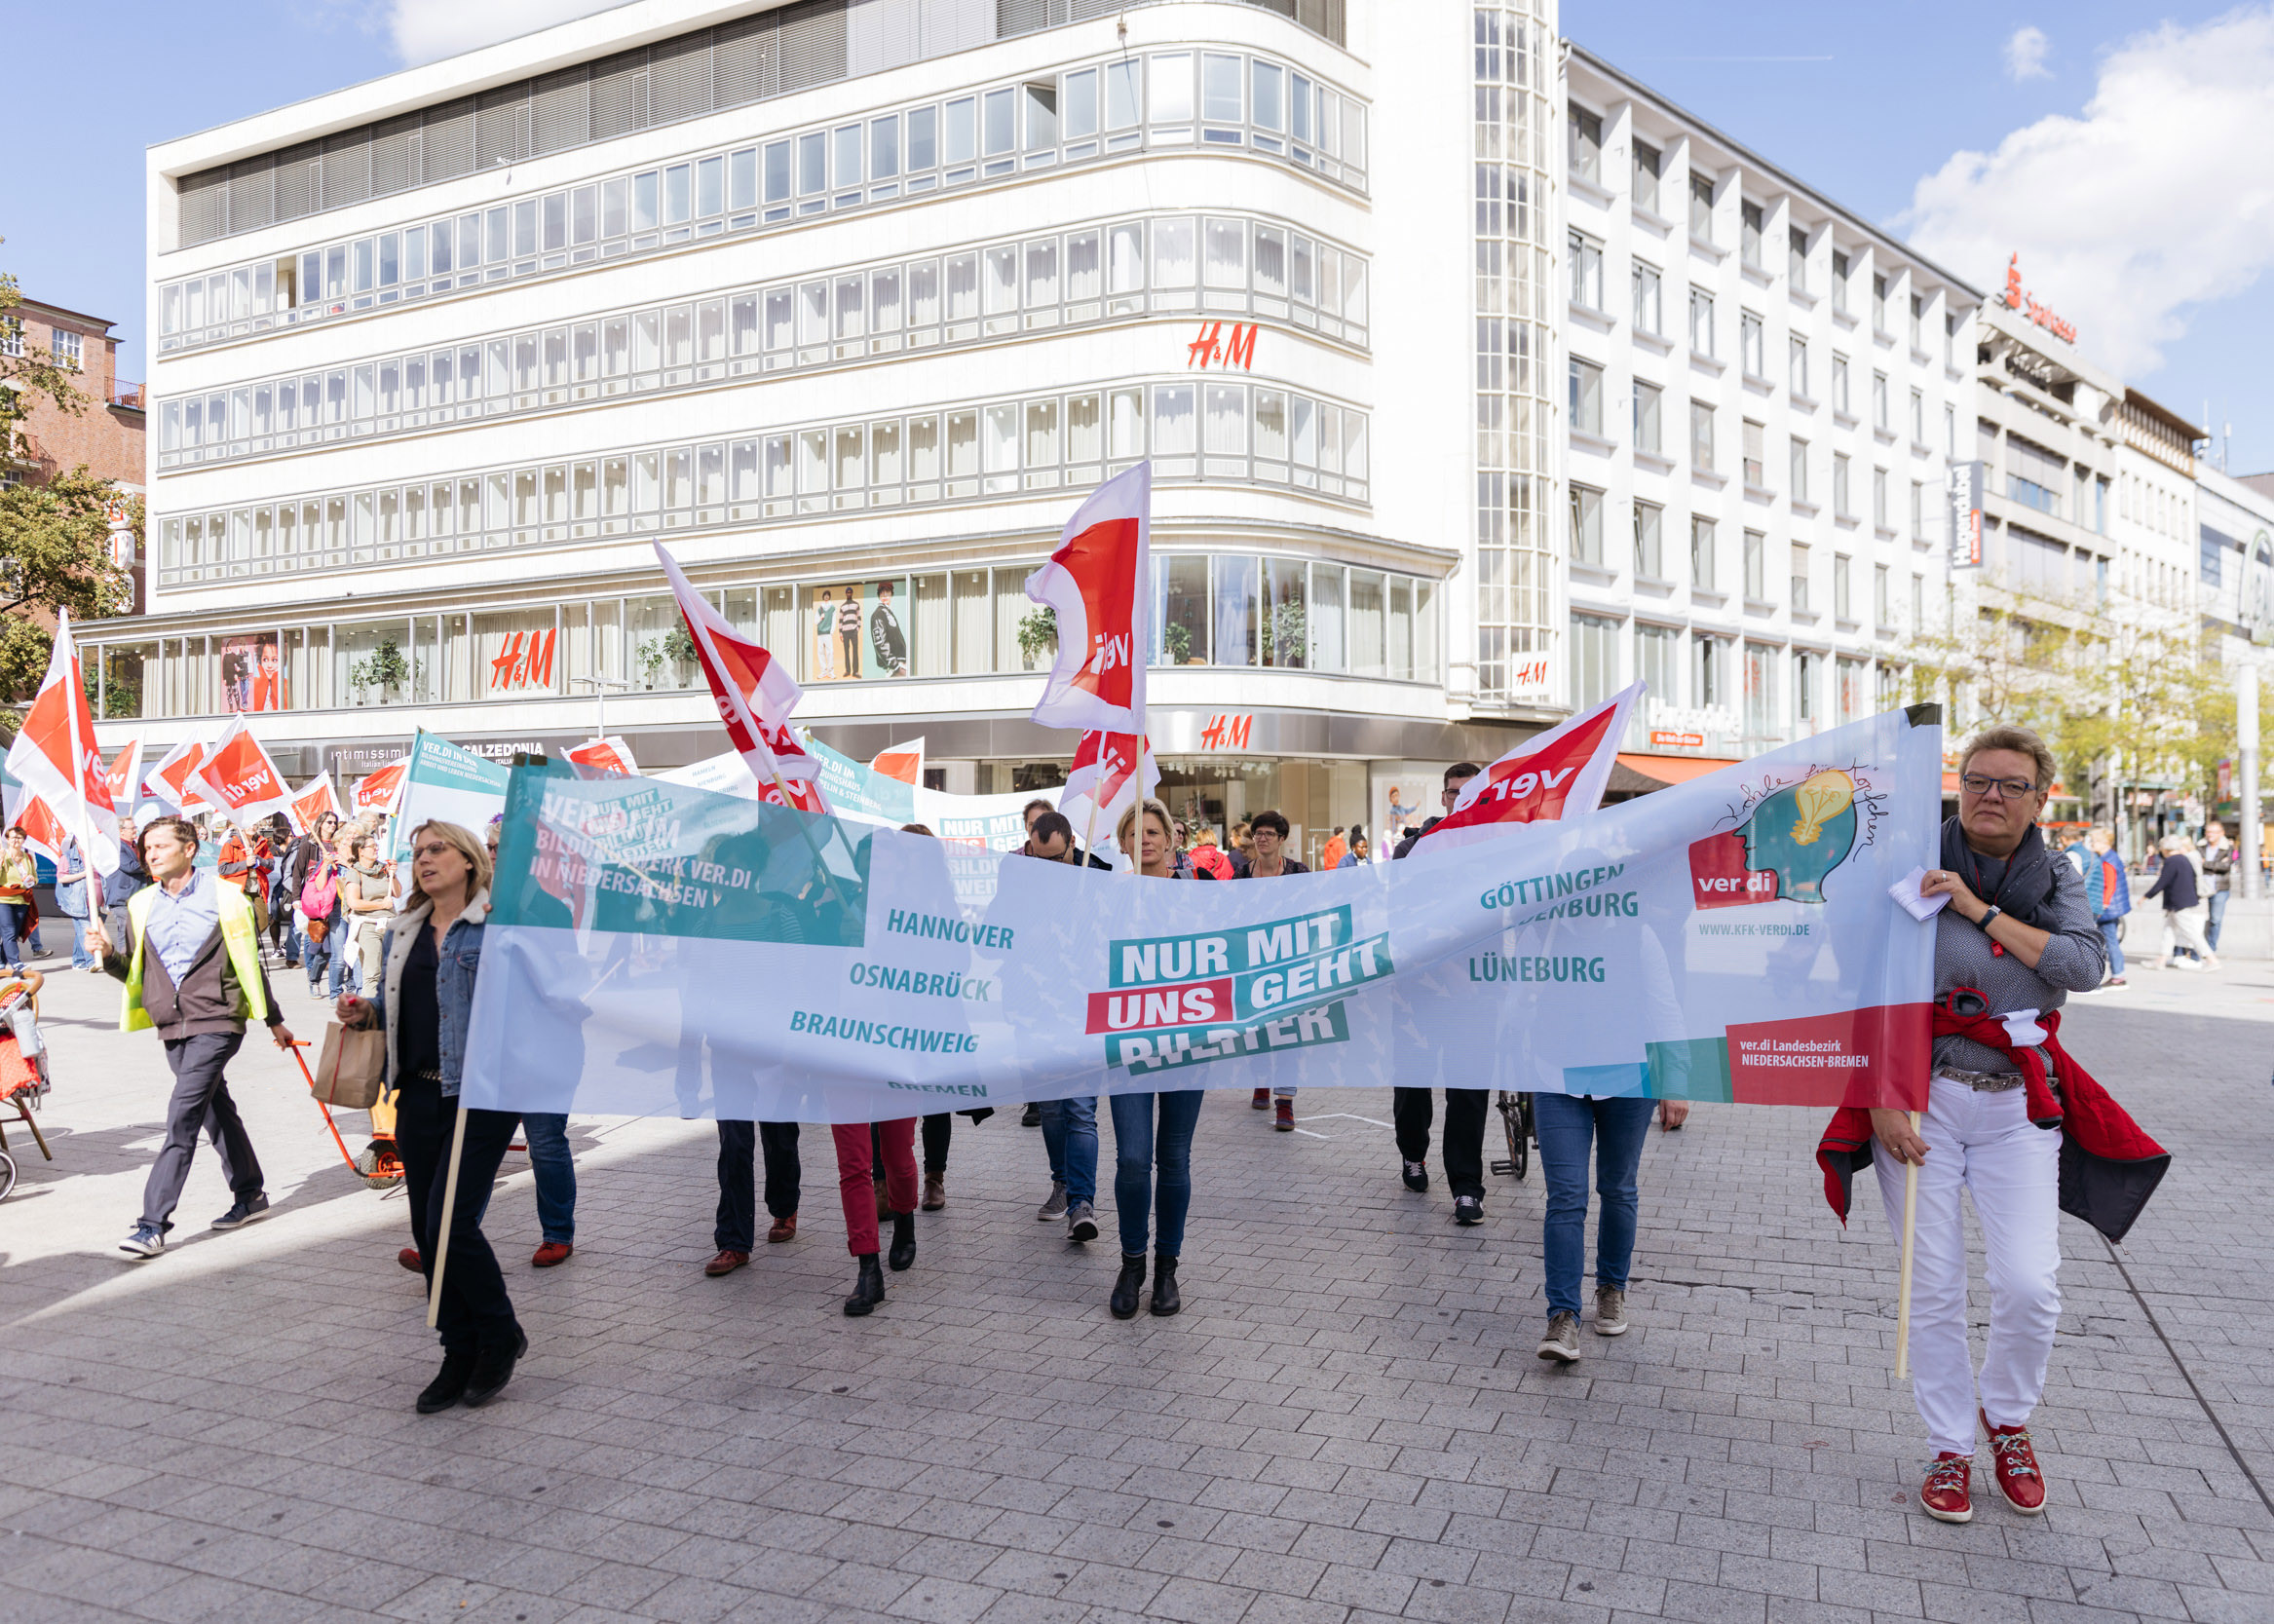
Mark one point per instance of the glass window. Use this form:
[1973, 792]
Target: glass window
[742, 178]
[1283, 604]
[1121, 95]
[710, 187]
[1084, 442]
[1041, 449]
[1179, 615]
[1648, 169]
[962, 142]
[1000, 114]
[1172, 420]
[847, 163]
[1170, 95]
[1647, 435]
[1041, 109]
[1081, 104]
[1220, 97]
[1172, 253]
[1650, 545]
[1227, 242]
[1236, 618]
[1041, 273]
[1226, 427]
[1265, 82]
[1366, 636]
[884, 147]
[922, 139]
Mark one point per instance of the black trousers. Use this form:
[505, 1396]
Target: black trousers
[201, 1101]
[475, 1311]
[1466, 1110]
[737, 1226]
[938, 1129]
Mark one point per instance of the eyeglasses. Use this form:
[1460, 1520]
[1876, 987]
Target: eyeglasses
[434, 849]
[2004, 789]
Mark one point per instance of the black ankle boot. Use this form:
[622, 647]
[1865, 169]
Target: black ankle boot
[869, 1290]
[493, 1367]
[1166, 1300]
[1128, 1284]
[903, 1252]
[449, 1386]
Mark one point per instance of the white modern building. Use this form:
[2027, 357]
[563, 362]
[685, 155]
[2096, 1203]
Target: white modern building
[1765, 396]
[847, 301]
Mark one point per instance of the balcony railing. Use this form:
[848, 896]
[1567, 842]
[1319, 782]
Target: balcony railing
[126, 395]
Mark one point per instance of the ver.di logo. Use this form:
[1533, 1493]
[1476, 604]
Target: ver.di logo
[1787, 844]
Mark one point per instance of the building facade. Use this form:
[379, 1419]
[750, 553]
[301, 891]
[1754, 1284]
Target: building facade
[1763, 395]
[847, 304]
[106, 438]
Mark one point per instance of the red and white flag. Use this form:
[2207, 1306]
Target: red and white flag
[755, 695]
[377, 792]
[124, 777]
[43, 831]
[1555, 774]
[903, 763]
[54, 756]
[238, 776]
[598, 758]
[313, 799]
[1099, 586]
[1104, 782]
[173, 779]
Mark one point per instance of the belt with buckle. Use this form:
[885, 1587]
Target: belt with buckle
[1982, 1082]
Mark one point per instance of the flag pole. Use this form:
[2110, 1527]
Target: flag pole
[1903, 1279]
[78, 758]
[441, 1242]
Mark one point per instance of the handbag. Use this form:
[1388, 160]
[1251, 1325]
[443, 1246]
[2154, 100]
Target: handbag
[318, 929]
[352, 1067]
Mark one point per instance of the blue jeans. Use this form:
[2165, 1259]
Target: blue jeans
[1070, 1140]
[2209, 930]
[12, 916]
[556, 1174]
[82, 960]
[2108, 930]
[1137, 1149]
[1566, 1125]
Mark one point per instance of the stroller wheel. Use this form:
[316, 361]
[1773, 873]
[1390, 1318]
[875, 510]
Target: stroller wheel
[7, 1174]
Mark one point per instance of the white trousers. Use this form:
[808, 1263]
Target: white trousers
[2183, 929]
[1985, 1144]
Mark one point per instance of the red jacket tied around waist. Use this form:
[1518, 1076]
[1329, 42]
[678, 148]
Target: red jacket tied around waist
[2109, 1166]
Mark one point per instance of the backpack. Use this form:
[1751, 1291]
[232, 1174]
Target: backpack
[320, 896]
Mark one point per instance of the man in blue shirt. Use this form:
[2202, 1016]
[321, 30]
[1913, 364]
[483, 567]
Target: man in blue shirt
[193, 971]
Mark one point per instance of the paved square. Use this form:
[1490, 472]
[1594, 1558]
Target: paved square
[1347, 1421]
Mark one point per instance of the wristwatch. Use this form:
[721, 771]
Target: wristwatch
[1994, 910]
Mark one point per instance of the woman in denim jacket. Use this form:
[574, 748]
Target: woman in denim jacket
[429, 961]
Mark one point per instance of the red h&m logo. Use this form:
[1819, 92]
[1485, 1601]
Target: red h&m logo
[524, 660]
[1214, 348]
[1228, 732]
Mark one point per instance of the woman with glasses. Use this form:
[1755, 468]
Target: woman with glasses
[2017, 938]
[1153, 1158]
[430, 959]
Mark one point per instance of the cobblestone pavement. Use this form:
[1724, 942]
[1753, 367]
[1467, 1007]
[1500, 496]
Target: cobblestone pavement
[1347, 1423]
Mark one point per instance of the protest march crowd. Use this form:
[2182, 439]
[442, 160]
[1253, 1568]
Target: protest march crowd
[387, 918]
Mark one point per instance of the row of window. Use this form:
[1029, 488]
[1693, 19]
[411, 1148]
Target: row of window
[1652, 563]
[1172, 265]
[1170, 102]
[1216, 432]
[1725, 694]
[1210, 609]
[66, 348]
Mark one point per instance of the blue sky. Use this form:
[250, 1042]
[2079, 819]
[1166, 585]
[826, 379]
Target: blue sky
[2143, 215]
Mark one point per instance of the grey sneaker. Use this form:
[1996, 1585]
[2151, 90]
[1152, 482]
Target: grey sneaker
[1080, 1224]
[1050, 1211]
[1610, 1311]
[1562, 1342]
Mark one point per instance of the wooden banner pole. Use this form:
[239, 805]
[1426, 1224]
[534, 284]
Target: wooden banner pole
[1903, 1282]
[441, 1242]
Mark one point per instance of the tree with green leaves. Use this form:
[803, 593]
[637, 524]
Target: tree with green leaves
[55, 536]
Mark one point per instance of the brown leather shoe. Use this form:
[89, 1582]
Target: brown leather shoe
[784, 1228]
[934, 1192]
[553, 1252]
[726, 1263]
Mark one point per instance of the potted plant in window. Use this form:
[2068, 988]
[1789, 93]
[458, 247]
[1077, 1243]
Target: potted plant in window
[1037, 637]
[384, 669]
[1176, 645]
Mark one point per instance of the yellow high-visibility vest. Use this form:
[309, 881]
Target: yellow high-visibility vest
[238, 934]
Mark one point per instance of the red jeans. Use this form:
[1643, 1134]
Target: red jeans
[856, 1177]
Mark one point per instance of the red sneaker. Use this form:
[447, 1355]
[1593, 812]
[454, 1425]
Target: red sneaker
[1284, 1121]
[1263, 1100]
[2014, 1465]
[408, 1257]
[1948, 1493]
[553, 1252]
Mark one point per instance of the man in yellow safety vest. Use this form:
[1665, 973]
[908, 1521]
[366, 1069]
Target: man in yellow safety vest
[193, 971]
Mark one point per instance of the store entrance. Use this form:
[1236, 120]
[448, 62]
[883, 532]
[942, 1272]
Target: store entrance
[1219, 792]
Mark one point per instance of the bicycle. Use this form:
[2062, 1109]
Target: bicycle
[1516, 1120]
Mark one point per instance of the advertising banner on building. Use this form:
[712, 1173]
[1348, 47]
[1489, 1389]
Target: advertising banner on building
[252, 671]
[1731, 939]
[1963, 490]
[860, 629]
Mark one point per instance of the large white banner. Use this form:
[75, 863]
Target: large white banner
[658, 949]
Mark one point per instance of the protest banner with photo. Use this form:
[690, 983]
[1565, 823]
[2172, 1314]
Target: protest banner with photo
[442, 783]
[859, 629]
[1729, 938]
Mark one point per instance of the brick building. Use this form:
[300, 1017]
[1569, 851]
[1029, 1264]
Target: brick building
[107, 436]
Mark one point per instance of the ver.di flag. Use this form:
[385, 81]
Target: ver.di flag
[173, 780]
[1097, 586]
[55, 755]
[313, 799]
[378, 791]
[904, 762]
[755, 695]
[123, 778]
[1102, 783]
[1730, 938]
[236, 775]
[1554, 774]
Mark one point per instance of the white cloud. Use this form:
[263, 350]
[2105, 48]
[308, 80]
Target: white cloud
[2025, 54]
[424, 30]
[2160, 198]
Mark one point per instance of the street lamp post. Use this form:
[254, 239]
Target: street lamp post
[600, 687]
[2246, 727]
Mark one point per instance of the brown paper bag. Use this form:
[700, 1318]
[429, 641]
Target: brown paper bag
[351, 1068]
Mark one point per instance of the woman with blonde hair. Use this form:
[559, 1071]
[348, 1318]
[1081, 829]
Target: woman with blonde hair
[430, 959]
[1153, 1160]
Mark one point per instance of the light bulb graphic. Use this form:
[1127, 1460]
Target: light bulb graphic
[1821, 799]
